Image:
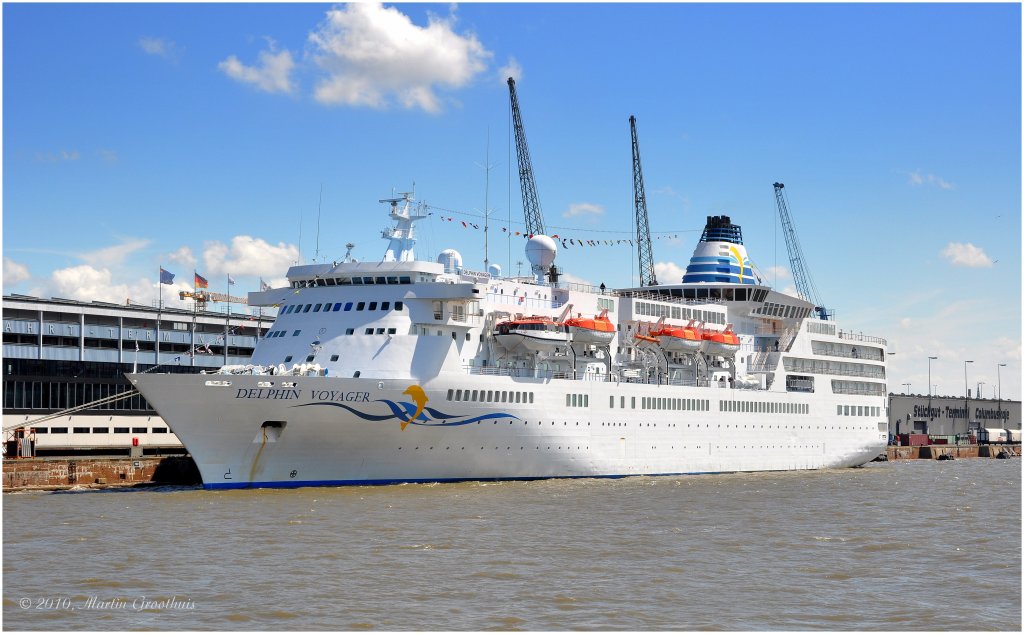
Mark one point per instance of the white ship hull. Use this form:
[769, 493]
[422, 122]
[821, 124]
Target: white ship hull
[350, 431]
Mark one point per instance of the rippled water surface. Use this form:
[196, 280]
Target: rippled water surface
[914, 545]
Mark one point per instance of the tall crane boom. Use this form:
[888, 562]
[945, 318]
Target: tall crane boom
[643, 228]
[801, 277]
[531, 204]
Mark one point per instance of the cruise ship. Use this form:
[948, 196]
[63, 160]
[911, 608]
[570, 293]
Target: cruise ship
[404, 370]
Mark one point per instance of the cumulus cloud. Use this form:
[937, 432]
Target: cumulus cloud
[159, 47]
[777, 271]
[183, 256]
[583, 209]
[668, 272]
[248, 256]
[374, 55]
[272, 72]
[960, 254]
[917, 178]
[115, 255]
[14, 272]
[569, 278]
[511, 69]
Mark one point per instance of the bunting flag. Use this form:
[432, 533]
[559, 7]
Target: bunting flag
[566, 241]
[166, 277]
[201, 281]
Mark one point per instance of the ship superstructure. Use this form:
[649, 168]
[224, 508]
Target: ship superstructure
[405, 370]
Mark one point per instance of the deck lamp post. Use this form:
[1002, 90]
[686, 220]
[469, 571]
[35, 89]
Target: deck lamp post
[967, 399]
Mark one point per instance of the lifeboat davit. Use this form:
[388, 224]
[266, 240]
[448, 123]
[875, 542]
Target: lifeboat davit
[723, 342]
[679, 338]
[599, 330]
[537, 333]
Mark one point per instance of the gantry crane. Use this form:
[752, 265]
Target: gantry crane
[801, 277]
[643, 228]
[531, 204]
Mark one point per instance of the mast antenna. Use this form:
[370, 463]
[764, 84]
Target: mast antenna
[319, 205]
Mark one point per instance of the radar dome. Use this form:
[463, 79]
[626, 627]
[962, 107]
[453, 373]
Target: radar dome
[541, 251]
[451, 259]
[494, 270]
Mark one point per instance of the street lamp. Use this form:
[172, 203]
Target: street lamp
[967, 399]
[930, 359]
[1000, 379]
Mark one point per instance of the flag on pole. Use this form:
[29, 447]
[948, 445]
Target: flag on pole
[166, 277]
[201, 281]
[263, 285]
[231, 280]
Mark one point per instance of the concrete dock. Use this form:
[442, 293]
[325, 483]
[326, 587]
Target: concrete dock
[58, 473]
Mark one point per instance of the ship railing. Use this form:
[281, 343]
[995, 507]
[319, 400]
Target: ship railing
[859, 336]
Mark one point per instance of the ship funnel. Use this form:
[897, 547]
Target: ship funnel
[720, 256]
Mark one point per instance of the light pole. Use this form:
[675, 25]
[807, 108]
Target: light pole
[907, 386]
[1000, 379]
[930, 359]
[967, 399]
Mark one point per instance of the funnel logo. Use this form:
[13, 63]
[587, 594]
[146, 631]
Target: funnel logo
[415, 412]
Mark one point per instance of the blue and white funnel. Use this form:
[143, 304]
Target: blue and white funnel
[720, 256]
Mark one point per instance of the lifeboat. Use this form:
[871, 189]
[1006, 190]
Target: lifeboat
[679, 338]
[599, 330]
[723, 342]
[537, 333]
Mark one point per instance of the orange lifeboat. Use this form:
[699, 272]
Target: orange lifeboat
[723, 342]
[643, 341]
[599, 330]
[679, 338]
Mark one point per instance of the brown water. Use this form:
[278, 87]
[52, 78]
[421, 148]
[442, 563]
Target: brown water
[916, 545]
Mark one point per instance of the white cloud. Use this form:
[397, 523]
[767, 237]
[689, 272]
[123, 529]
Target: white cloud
[248, 256]
[184, 257]
[774, 272]
[110, 156]
[791, 291]
[583, 209]
[511, 69]
[159, 47]
[56, 157]
[668, 272]
[14, 272]
[918, 179]
[272, 73]
[373, 55]
[960, 254]
[906, 322]
[115, 255]
[569, 278]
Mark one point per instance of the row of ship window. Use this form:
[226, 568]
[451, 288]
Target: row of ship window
[356, 281]
[858, 410]
[339, 306]
[100, 430]
[490, 396]
[764, 407]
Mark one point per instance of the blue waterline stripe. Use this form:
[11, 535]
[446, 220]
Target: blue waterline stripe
[322, 483]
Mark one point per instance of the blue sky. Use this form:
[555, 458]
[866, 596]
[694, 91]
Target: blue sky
[200, 136]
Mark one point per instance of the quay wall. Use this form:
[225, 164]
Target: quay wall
[64, 473]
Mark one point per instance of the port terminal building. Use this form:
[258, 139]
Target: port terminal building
[61, 354]
[956, 418]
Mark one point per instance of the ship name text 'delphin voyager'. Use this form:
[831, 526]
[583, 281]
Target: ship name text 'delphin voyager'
[403, 370]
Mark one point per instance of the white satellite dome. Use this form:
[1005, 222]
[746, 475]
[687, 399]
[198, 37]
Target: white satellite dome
[541, 251]
[451, 259]
[494, 270]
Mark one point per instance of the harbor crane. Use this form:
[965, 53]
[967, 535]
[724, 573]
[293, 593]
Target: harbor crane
[801, 277]
[643, 228]
[531, 204]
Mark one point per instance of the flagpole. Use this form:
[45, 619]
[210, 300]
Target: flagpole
[159, 310]
[227, 322]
